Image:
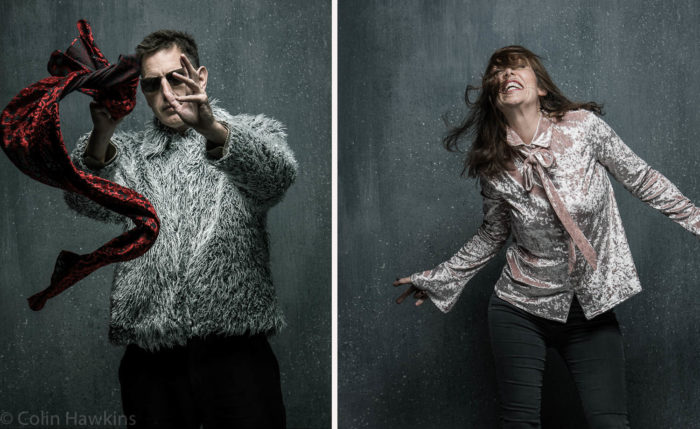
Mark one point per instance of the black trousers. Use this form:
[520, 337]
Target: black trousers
[214, 382]
[592, 350]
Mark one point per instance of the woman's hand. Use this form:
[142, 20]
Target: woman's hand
[418, 294]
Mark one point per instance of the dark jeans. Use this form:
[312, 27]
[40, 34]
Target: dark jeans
[217, 382]
[592, 350]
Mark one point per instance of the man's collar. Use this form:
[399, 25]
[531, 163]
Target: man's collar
[158, 137]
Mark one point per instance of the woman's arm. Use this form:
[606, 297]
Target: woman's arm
[444, 283]
[640, 179]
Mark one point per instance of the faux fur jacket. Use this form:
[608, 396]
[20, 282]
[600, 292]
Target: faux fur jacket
[208, 271]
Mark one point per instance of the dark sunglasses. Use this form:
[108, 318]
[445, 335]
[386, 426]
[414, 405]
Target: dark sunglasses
[151, 84]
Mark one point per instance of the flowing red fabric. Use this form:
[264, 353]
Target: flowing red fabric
[31, 138]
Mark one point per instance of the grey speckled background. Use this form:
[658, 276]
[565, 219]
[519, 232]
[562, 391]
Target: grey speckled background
[264, 56]
[403, 207]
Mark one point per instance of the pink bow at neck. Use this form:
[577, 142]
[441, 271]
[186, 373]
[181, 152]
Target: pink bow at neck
[537, 159]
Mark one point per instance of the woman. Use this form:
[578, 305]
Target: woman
[542, 163]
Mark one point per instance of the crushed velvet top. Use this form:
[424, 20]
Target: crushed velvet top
[558, 203]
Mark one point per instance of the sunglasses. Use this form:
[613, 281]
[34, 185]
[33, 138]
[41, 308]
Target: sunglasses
[151, 84]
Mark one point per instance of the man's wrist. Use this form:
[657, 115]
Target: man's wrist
[96, 162]
[98, 144]
[216, 134]
[103, 133]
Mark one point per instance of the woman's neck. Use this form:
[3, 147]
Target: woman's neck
[524, 122]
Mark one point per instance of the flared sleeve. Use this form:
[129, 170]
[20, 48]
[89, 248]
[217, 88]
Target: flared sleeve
[445, 283]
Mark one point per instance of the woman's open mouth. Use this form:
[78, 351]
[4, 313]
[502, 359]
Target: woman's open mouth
[511, 86]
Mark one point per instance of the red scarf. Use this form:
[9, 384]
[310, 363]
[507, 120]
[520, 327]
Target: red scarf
[31, 138]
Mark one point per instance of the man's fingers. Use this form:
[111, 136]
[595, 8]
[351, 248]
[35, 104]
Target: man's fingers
[194, 86]
[167, 90]
[97, 107]
[199, 98]
[419, 302]
[168, 94]
[189, 69]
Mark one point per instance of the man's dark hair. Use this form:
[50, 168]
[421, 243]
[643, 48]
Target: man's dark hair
[165, 39]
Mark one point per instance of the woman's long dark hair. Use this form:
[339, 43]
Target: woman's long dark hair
[489, 152]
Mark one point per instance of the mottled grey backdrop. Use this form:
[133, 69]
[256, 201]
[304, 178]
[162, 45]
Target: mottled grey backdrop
[263, 56]
[403, 207]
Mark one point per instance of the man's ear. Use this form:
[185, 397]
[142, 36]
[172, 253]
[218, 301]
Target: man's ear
[203, 75]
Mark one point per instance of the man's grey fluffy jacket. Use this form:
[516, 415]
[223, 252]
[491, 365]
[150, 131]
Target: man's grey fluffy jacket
[208, 271]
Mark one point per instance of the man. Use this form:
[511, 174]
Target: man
[195, 310]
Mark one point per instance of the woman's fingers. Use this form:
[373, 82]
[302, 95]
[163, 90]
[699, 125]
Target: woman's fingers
[406, 293]
[402, 281]
[418, 294]
[420, 297]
